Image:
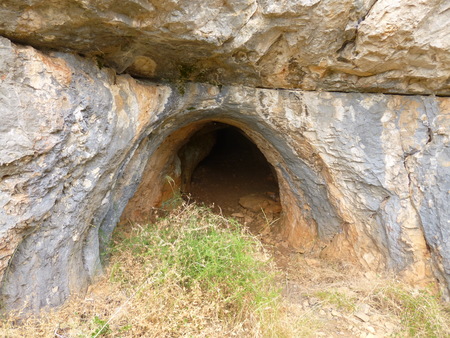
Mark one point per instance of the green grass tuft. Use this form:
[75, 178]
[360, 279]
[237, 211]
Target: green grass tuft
[201, 252]
[101, 327]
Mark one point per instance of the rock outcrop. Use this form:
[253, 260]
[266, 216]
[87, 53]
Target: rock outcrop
[339, 45]
[96, 106]
[366, 175]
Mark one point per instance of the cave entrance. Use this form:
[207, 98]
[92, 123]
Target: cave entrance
[227, 165]
[222, 167]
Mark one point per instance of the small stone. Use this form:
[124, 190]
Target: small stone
[362, 316]
[300, 250]
[335, 313]
[238, 214]
[370, 329]
[322, 313]
[353, 320]
[256, 202]
[365, 308]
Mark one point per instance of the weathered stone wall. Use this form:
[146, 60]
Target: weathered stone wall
[363, 176]
[68, 133]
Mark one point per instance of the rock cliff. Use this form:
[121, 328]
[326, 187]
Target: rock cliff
[96, 100]
[338, 45]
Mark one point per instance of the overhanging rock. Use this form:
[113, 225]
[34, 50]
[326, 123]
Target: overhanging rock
[337, 45]
[363, 176]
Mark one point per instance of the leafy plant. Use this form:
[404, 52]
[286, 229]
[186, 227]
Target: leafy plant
[206, 251]
[102, 327]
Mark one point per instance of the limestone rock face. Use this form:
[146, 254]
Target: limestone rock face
[362, 176]
[384, 46]
[63, 123]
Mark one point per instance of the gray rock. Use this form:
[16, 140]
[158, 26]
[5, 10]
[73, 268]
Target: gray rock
[366, 175]
[337, 45]
[362, 316]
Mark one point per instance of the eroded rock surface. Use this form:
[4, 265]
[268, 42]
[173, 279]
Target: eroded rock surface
[364, 176]
[390, 46]
[63, 123]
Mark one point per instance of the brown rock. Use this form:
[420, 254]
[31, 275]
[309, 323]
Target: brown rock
[362, 316]
[258, 202]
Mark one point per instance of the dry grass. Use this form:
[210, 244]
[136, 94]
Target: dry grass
[196, 274]
[414, 312]
[420, 311]
[191, 274]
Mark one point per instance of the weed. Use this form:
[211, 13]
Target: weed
[206, 253]
[100, 61]
[186, 71]
[337, 298]
[180, 87]
[176, 198]
[185, 74]
[125, 328]
[102, 327]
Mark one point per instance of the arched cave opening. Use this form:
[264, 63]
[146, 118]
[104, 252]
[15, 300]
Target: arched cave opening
[223, 167]
[229, 164]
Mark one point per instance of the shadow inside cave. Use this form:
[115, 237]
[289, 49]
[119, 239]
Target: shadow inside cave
[233, 169]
